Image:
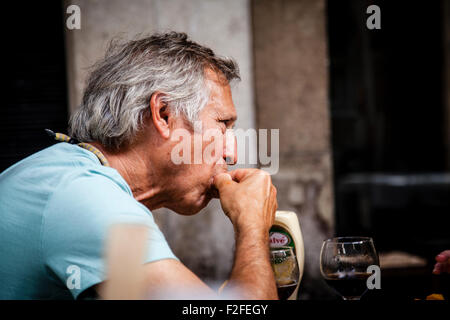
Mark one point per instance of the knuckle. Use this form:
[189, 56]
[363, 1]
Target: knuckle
[263, 173]
[264, 177]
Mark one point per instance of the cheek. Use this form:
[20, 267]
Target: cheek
[200, 174]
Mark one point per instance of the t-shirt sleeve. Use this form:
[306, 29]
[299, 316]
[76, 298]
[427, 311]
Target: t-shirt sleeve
[76, 224]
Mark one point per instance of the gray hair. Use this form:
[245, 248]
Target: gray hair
[118, 91]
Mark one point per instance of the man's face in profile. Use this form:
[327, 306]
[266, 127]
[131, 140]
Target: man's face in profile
[211, 147]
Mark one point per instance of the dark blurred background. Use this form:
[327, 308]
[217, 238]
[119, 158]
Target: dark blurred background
[34, 69]
[387, 106]
[389, 117]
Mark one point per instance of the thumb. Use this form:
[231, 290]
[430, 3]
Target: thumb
[221, 180]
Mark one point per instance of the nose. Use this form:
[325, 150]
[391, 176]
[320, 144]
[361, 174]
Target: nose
[230, 148]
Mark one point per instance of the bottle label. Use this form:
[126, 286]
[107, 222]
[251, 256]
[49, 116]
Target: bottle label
[280, 237]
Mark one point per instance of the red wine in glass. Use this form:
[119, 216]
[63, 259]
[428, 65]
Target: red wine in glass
[344, 263]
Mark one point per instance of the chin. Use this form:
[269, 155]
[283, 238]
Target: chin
[189, 208]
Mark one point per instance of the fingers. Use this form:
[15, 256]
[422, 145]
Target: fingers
[240, 174]
[444, 256]
[248, 198]
[221, 180]
[437, 268]
[441, 267]
[443, 262]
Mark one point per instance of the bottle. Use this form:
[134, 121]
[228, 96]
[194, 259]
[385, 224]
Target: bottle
[286, 232]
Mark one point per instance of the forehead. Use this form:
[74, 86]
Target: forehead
[220, 100]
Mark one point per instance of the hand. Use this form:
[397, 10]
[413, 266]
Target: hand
[248, 198]
[442, 262]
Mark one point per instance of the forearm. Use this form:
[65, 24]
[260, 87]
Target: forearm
[248, 198]
[252, 273]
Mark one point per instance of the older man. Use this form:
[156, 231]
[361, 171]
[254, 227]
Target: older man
[56, 206]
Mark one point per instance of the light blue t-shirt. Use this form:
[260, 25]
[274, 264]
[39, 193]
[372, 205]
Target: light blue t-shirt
[56, 207]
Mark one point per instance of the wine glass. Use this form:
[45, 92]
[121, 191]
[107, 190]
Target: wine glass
[285, 268]
[344, 262]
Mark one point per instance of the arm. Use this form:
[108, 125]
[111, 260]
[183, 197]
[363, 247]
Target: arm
[252, 272]
[162, 279]
[250, 202]
[248, 198]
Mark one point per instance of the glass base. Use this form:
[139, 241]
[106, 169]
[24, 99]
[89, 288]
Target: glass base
[351, 298]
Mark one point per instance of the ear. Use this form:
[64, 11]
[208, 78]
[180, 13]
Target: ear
[160, 114]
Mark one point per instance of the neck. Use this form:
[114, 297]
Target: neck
[135, 166]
